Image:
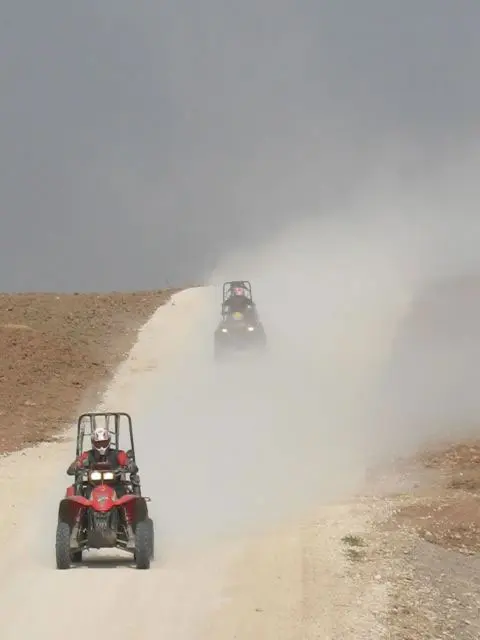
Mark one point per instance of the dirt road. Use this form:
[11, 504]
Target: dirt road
[233, 587]
[234, 558]
[38, 601]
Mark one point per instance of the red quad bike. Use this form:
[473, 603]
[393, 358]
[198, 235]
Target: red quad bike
[104, 508]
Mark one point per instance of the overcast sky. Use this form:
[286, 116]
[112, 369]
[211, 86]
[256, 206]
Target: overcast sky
[140, 139]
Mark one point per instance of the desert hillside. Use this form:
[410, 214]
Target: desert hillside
[58, 351]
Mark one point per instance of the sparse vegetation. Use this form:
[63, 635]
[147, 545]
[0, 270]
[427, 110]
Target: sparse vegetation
[353, 541]
[354, 547]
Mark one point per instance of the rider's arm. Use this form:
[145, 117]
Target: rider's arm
[77, 464]
[124, 461]
[72, 469]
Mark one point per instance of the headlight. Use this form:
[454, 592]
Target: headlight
[95, 475]
[224, 330]
[251, 328]
[108, 475]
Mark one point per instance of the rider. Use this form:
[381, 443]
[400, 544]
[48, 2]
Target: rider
[239, 301]
[102, 452]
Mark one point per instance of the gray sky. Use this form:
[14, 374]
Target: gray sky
[140, 139]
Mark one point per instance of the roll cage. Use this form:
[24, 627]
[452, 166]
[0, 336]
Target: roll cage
[228, 286]
[117, 423]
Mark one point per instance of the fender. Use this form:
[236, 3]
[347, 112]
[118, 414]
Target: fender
[84, 502]
[128, 497]
[135, 507]
[80, 500]
[69, 508]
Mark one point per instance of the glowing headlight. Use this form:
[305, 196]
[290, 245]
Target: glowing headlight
[224, 330]
[108, 475]
[95, 475]
[251, 328]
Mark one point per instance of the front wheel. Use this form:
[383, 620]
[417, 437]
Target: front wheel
[143, 544]
[152, 538]
[62, 546]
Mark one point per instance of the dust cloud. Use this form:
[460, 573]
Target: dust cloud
[320, 150]
[259, 440]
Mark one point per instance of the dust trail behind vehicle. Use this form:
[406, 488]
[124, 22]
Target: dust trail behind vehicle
[224, 450]
[265, 439]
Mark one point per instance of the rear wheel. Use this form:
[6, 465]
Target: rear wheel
[143, 544]
[62, 546]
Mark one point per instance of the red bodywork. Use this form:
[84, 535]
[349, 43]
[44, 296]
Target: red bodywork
[103, 499]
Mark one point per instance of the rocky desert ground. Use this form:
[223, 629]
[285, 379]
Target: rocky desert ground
[60, 351]
[401, 562]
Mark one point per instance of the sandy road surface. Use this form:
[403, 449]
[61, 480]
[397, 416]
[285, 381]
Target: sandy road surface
[205, 583]
[37, 601]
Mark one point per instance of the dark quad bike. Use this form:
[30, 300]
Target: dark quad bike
[104, 508]
[238, 330]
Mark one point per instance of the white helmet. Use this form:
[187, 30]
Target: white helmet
[101, 440]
